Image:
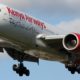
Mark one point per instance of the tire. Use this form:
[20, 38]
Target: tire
[20, 74]
[78, 70]
[20, 70]
[73, 71]
[27, 72]
[17, 71]
[14, 67]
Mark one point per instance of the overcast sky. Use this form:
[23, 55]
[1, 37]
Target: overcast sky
[64, 14]
[57, 7]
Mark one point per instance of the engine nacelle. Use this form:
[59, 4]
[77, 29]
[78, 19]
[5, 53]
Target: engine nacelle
[71, 42]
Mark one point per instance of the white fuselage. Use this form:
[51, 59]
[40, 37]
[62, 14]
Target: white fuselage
[22, 30]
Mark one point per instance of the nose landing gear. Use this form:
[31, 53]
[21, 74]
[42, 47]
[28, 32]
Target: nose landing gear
[20, 69]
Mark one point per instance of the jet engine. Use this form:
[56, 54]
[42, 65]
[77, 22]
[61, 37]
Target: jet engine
[71, 42]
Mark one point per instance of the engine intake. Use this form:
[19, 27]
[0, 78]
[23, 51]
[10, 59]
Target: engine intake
[71, 42]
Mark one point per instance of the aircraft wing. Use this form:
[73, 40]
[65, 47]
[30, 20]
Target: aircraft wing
[54, 41]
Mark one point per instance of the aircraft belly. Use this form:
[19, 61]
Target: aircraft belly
[48, 54]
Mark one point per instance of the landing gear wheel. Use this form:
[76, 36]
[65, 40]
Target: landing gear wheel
[27, 73]
[20, 69]
[20, 74]
[71, 69]
[78, 69]
[15, 67]
[74, 68]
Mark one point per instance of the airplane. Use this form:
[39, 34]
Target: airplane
[26, 38]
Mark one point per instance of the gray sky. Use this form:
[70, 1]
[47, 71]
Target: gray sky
[62, 7]
[64, 14]
[67, 10]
